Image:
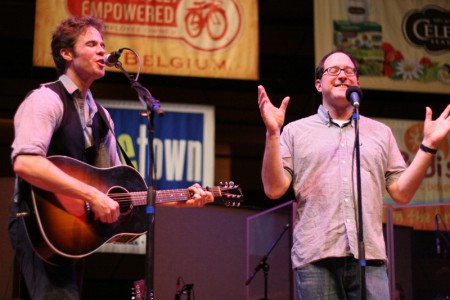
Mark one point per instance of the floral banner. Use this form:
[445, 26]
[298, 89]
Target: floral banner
[400, 45]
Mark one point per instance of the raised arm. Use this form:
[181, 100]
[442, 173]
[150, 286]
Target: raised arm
[274, 177]
[435, 131]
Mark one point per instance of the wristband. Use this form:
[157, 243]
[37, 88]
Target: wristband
[426, 149]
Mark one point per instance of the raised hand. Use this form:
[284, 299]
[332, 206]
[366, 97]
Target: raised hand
[272, 116]
[435, 131]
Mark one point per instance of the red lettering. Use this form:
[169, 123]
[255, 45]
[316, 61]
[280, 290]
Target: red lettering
[130, 59]
[431, 169]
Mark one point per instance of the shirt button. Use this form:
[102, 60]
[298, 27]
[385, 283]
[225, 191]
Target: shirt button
[346, 199]
[343, 161]
[345, 179]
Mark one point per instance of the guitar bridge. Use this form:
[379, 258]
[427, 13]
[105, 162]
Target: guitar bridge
[124, 239]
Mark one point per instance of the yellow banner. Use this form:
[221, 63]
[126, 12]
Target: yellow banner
[210, 38]
[400, 45]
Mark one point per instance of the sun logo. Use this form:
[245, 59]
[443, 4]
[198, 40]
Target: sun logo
[414, 136]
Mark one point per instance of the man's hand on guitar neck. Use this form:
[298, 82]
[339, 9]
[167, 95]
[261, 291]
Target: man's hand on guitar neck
[199, 197]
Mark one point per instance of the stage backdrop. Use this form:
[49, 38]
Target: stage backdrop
[211, 38]
[183, 142]
[400, 45]
[433, 196]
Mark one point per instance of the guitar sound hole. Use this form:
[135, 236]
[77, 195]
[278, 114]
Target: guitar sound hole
[122, 196]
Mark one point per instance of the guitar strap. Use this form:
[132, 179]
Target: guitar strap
[102, 114]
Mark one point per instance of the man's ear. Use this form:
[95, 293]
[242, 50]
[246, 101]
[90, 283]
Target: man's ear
[318, 84]
[66, 54]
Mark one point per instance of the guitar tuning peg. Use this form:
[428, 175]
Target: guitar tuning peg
[232, 203]
[228, 184]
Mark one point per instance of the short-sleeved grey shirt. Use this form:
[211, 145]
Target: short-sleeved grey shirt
[320, 156]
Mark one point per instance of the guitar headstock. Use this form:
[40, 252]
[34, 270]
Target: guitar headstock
[231, 193]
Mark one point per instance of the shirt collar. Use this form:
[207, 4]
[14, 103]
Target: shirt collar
[324, 116]
[72, 89]
[68, 84]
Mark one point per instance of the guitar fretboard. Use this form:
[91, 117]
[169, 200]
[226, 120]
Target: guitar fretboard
[163, 196]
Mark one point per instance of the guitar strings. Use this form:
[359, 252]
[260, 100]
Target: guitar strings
[170, 195]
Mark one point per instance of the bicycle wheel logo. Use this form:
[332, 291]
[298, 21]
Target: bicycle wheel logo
[212, 25]
[206, 15]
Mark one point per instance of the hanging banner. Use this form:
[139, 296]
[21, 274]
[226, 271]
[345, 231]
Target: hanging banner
[210, 38]
[433, 195]
[400, 45]
[183, 146]
[183, 142]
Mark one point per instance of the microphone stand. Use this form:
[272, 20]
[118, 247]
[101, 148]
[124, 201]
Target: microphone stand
[264, 265]
[187, 289]
[152, 105]
[361, 247]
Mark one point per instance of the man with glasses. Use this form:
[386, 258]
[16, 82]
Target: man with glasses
[315, 155]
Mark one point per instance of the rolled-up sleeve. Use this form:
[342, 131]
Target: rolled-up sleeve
[35, 122]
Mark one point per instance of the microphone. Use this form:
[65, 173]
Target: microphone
[112, 58]
[354, 95]
[438, 242]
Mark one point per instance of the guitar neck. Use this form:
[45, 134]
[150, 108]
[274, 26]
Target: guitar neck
[163, 196]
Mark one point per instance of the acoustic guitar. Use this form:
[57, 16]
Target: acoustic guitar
[61, 228]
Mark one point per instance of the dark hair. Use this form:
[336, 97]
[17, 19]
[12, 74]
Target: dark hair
[320, 67]
[67, 33]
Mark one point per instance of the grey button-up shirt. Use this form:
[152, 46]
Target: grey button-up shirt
[320, 156]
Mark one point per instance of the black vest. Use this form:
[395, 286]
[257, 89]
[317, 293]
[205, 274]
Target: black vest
[68, 139]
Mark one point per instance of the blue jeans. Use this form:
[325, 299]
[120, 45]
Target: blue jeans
[43, 281]
[338, 278]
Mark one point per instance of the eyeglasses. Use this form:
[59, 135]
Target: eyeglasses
[335, 70]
